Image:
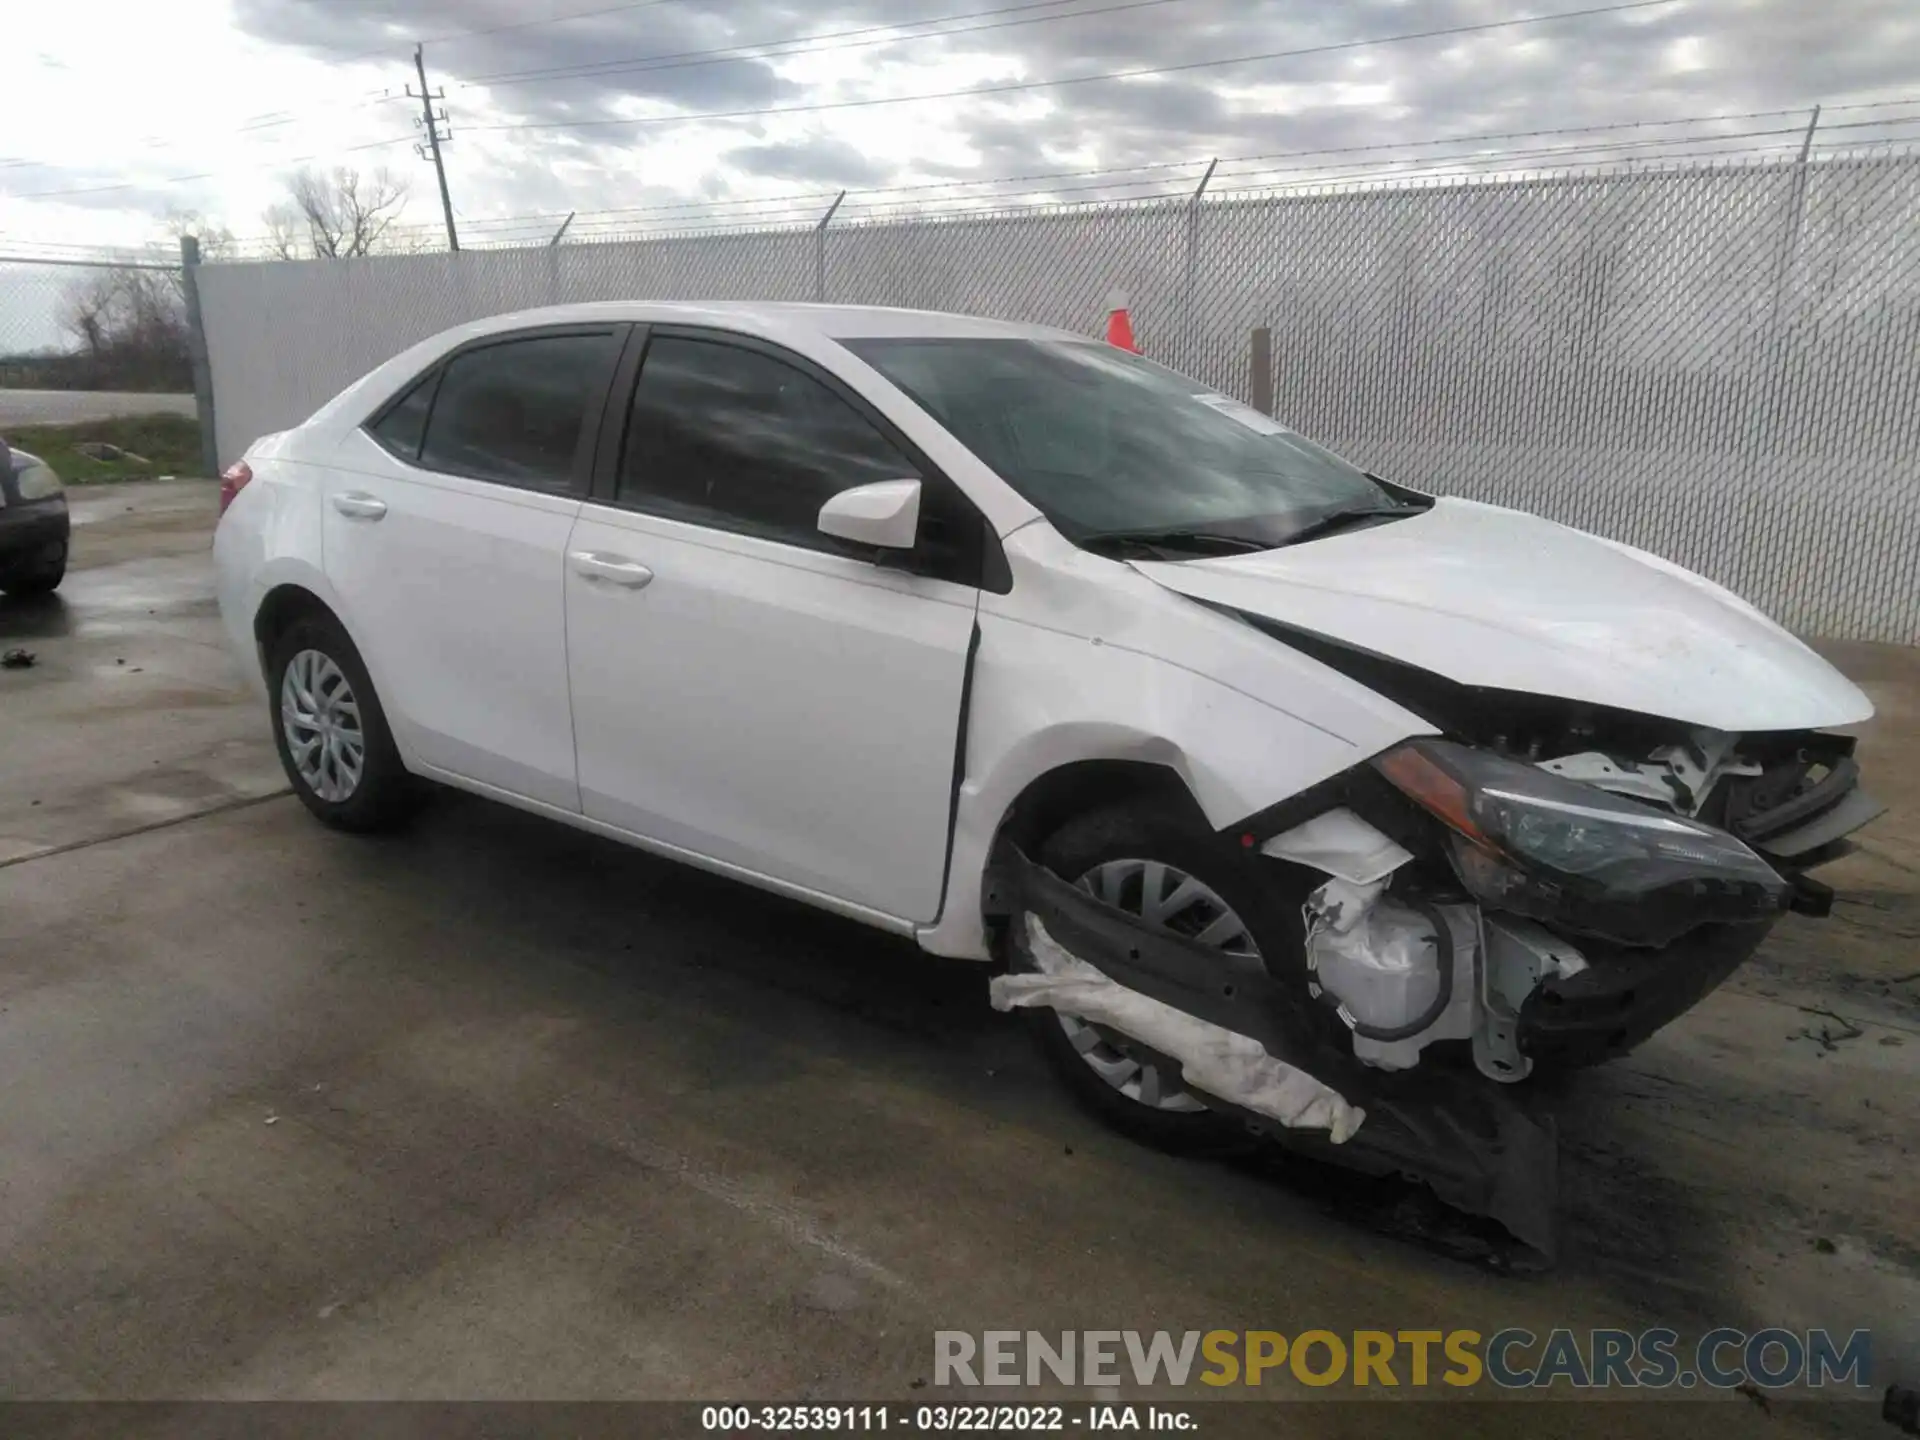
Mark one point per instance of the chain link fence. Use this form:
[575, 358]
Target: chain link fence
[74, 326]
[1720, 364]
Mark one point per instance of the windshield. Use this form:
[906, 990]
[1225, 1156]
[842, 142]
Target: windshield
[1103, 441]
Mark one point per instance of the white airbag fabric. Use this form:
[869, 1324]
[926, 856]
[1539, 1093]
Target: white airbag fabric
[1342, 844]
[1233, 1067]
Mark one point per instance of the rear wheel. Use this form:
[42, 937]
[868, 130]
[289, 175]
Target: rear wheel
[1172, 873]
[331, 732]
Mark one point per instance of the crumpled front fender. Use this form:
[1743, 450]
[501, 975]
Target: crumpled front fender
[1482, 1148]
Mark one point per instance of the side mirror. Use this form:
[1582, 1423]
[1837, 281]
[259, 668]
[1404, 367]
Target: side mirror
[885, 513]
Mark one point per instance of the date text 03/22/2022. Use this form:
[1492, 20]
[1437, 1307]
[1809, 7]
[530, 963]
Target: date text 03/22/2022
[945, 1418]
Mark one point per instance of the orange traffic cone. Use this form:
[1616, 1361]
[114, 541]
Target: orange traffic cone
[1120, 324]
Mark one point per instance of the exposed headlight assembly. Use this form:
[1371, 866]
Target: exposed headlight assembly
[37, 481]
[1554, 850]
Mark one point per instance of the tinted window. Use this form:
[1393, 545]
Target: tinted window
[1101, 440]
[514, 412]
[738, 440]
[403, 426]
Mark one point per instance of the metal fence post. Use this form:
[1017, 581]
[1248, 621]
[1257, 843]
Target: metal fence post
[197, 354]
[1193, 260]
[820, 248]
[554, 297]
[1260, 370]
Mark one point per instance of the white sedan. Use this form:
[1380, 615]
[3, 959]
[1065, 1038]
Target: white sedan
[1026, 647]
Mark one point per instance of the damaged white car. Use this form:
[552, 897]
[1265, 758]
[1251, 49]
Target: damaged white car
[1296, 799]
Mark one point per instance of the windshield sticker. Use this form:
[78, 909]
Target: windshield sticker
[1245, 414]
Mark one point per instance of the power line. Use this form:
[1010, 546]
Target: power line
[719, 55]
[1651, 149]
[678, 59]
[503, 29]
[592, 216]
[787, 202]
[863, 198]
[70, 247]
[1440, 169]
[206, 174]
[897, 207]
[1375, 174]
[1572, 149]
[1336, 150]
[87, 264]
[289, 117]
[252, 124]
[1139, 72]
[872, 200]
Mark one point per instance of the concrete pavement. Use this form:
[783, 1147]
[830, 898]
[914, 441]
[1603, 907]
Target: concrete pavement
[497, 1109]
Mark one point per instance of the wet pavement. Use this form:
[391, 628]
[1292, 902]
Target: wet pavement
[130, 715]
[494, 1108]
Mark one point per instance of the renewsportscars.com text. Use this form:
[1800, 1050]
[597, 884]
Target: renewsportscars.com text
[1510, 1359]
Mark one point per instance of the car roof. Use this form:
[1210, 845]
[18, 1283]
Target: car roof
[800, 326]
[774, 319]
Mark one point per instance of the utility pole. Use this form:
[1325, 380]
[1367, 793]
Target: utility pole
[432, 123]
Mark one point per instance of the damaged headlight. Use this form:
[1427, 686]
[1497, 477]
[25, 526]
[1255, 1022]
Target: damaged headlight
[1555, 850]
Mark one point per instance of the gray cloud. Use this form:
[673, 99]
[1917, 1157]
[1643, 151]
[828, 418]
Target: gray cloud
[1750, 55]
[823, 160]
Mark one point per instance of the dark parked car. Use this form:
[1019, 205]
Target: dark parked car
[33, 524]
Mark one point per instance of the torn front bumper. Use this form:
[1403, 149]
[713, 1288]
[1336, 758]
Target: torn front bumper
[1802, 808]
[1623, 995]
[1483, 1149]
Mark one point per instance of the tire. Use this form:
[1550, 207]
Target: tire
[41, 576]
[377, 795]
[1260, 893]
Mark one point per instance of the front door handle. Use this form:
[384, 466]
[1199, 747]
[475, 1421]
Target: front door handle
[357, 505]
[614, 569]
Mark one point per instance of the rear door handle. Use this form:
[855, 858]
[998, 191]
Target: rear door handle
[357, 505]
[614, 569]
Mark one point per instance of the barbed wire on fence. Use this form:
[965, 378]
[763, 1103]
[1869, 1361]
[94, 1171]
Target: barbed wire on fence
[1715, 356]
[1273, 172]
[1692, 137]
[1715, 360]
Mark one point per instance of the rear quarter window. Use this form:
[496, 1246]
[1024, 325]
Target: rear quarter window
[403, 425]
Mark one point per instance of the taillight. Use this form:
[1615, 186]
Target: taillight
[232, 481]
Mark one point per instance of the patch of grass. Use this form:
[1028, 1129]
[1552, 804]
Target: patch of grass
[170, 444]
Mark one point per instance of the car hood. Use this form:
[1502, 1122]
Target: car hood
[1492, 597]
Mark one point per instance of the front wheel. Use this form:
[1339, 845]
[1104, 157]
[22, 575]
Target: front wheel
[332, 734]
[39, 576]
[1177, 875]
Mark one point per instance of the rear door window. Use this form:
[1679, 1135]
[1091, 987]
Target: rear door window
[516, 412]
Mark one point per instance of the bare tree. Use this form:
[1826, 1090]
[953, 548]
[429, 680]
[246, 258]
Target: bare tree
[131, 324]
[216, 240]
[336, 215]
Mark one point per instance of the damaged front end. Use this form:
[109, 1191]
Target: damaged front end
[1235, 1034]
[1477, 916]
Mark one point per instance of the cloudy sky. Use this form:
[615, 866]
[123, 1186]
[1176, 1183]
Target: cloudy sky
[770, 106]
